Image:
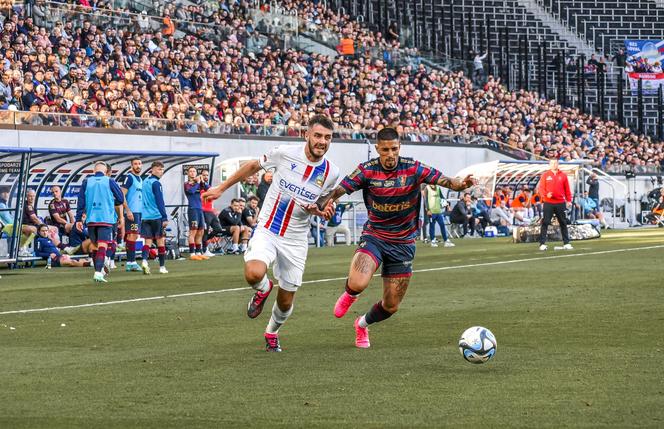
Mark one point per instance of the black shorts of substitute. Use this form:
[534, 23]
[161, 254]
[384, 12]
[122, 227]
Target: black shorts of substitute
[152, 229]
[397, 259]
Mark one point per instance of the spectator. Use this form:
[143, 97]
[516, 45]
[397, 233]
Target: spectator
[434, 205]
[251, 212]
[263, 187]
[462, 214]
[335, 225]
[47, 250]
[230, 219]
[589, 210]
[6, 214]
[62, 216]
[593, 188]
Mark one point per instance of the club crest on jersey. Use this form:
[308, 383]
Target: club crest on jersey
[402, 181]
[320, 180]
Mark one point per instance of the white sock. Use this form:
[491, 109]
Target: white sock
[277, 319]
[243, 247]
[234, 247]
[363, 322]
[263, 285]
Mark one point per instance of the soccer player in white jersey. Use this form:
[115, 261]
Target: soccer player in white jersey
[302, 175]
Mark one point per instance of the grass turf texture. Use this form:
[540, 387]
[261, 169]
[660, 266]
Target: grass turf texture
[579, 344]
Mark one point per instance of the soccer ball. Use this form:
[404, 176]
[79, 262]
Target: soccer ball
[477, 344]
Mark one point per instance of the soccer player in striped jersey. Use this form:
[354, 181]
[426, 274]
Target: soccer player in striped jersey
[302, 175]
[391, 189]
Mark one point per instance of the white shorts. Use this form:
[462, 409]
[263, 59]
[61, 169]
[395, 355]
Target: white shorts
[288, 256]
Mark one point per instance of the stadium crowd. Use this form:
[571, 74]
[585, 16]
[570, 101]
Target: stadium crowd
[141, 77]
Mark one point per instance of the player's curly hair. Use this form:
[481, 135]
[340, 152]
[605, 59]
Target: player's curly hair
[322, 120]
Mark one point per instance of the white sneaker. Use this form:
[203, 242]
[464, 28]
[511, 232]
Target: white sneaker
[145, 267]
[543, 247]
[99, 278]
[111, 264]
[70, 250]
[24, 252]
[163, 270]
[132, 266]
[568, 247]
[448, 243]
[209, 254]
[434, 244]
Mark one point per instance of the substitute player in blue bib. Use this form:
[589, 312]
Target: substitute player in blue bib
[100, 199]
[192, 189]
[390, 186]
[154, 217]
[132, 187]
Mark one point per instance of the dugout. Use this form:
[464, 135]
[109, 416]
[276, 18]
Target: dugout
[517, 174]
[40, 168]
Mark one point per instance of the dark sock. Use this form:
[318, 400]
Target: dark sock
[131, 251]
[377, 314]
[350, 291]
[198, 248]
[192, 248]
[162, 255]
[100, 255]
[146, 252]
[204, 245]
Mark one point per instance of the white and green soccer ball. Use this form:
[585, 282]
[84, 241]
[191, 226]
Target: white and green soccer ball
[477, 344]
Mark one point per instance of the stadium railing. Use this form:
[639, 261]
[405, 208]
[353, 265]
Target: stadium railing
[128, 21]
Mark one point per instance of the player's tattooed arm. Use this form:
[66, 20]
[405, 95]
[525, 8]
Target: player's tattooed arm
[325, 200]
[455, 183]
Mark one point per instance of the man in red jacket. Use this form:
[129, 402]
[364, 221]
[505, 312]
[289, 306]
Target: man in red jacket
[557, 196]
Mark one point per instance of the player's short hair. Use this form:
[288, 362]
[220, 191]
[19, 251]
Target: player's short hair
[131, 161]
[100, 162]
[192, 166]
[204, 170]
[322, 120]
[157, 164]
[4, 189]
[234, 200]
[387, 134]
[43, 225]
[252, 198]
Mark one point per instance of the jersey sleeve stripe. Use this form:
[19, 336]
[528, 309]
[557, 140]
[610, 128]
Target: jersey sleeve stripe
[289, 213]
[274, 209]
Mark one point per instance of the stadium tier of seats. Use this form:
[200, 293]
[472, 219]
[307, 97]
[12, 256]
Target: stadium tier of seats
[179, 75]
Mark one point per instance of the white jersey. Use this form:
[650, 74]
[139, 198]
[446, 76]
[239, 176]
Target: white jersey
[296, 182]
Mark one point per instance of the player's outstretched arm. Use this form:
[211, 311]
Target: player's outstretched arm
[324, 201]
[455, 183]
[247, 170]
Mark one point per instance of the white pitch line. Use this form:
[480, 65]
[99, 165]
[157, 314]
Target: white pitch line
[424, 270]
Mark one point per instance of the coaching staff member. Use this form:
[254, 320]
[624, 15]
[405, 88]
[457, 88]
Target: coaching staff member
[556, 194]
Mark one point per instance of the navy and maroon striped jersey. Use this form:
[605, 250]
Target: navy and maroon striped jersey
[392, 197]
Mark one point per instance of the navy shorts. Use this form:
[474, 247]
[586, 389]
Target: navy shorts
[397, 259]
[152, 229]
[196, 219]
[133, 227]
[100, 234]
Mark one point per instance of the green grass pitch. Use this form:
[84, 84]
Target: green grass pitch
[580, 342]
